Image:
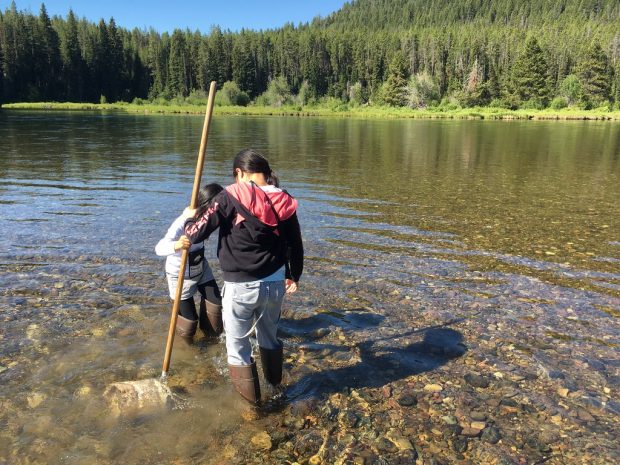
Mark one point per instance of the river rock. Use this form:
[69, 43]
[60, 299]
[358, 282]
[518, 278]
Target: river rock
[433, 388]
[585, 415]
[33, 331]
[460, 444]
[408, 400]
[470, 432]
[385, 445]
[309, 444]
[349, 419]
[84, 391]
[401, 442]
[478, 425]
[262, 441]
[129, 396]
[476, 380]
[491, 435]
[35, 399]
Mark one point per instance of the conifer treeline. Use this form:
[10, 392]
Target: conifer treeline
[395, 52]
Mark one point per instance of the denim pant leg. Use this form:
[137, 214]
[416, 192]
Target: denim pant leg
[272, 293]
[239, 304]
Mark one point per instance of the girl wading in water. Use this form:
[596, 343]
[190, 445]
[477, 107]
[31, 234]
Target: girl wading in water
[198, 275]
[261, 256]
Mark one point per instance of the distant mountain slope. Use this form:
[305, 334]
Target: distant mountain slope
[383, 14]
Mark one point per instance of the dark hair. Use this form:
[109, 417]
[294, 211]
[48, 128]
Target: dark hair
[206, 195]
[250, 161]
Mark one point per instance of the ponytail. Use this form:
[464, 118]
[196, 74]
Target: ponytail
[272, 179]
[250, 161]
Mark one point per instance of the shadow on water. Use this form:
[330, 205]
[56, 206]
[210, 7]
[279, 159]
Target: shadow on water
[375, 361]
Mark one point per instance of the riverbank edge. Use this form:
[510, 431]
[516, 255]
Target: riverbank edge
[479, 113]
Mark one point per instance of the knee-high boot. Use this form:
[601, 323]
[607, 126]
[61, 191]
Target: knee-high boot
[186, 328]
[272, 359]
[245, 380]
[210, 318]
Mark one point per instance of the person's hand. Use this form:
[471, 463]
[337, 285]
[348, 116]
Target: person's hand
[291, 286]
[182, 243]
[189, 212]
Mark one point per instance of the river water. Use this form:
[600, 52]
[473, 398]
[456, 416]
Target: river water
[498, 242]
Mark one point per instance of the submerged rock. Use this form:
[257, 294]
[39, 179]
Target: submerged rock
[491, 435]
[129, 396]
[35, 399]
[476, 380]
[262, 441]
[407, 400]
[460, 444]
[433, 388]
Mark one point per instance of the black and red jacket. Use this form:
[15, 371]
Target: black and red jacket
[258, 232]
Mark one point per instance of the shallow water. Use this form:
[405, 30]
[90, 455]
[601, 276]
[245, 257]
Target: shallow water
[419, 235]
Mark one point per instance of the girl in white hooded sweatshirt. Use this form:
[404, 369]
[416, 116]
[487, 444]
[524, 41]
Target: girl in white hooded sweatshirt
[198, 275]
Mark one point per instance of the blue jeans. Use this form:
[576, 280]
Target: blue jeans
[250, 306]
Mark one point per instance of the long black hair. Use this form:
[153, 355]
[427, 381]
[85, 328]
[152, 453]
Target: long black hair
[250, 161]
[205, 196]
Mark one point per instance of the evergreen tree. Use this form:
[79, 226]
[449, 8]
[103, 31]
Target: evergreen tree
[116, 73]
[178, 81]
[101, 69]
[47, 63]
[73, 65]
[243, 66]
[157, 62]
[396, 84]
[16, 53]
[595, 76]
[530, 75]
[220, 56]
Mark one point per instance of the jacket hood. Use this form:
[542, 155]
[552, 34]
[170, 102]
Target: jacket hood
[257, 202]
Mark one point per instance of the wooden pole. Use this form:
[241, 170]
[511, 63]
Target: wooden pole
[194, 200]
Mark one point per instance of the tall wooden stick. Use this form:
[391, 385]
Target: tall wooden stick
[194, 200]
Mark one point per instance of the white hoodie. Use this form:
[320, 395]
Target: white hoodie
[165, 248]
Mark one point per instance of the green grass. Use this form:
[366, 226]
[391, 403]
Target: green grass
[341, 110]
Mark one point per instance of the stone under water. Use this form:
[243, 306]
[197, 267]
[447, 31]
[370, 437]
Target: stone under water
[130, 396]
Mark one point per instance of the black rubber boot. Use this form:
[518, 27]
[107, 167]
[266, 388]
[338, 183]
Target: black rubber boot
[271, 359]
[186, 328]
[210, 318]
[245, 381]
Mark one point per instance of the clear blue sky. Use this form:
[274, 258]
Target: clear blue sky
[167, 15]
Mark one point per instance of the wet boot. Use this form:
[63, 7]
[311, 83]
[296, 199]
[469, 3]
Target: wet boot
[271, 359]
[186, 328]
[245, 380]
[210, 318]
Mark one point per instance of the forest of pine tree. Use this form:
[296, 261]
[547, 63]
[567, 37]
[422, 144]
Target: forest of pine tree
[416, 53]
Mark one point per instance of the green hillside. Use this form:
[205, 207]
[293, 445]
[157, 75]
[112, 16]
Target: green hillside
[411, 53]
[406, 14]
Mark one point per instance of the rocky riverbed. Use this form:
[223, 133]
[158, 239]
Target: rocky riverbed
[375, 372]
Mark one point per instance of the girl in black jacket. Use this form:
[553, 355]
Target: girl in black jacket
[261, 256]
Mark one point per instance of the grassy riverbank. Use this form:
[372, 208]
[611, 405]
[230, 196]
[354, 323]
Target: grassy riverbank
[339, 111]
